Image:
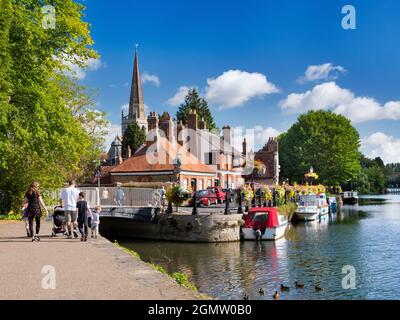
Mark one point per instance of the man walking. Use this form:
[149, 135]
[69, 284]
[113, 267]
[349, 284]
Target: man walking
[119, 198]
[69, 198]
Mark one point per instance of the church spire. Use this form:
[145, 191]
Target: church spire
[136, 102]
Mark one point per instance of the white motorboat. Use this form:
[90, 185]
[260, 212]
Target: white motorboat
[350, 197]
[312, 207]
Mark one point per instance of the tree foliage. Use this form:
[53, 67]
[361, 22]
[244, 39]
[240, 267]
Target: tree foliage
[372, 178]
[134, 137]
[48, 128]
[324, 140]
[194, 102]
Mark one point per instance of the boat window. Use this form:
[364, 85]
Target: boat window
[260, 217]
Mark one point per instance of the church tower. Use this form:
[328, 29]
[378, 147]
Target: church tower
[136, 102]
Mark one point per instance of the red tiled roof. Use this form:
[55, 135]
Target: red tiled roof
[164, 157]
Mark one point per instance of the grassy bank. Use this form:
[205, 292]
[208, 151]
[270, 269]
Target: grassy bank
[11, 216]
[179, 277]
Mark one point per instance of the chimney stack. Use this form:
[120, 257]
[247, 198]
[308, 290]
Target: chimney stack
[129, 152]
[227, 134]
[166, 125]
[272, 144]
[152, 121]
[179, 133]
[203, 125]
[192, 119]
[244, 152]
[152, 125]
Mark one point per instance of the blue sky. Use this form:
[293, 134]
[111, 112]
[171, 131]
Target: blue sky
[249, 58]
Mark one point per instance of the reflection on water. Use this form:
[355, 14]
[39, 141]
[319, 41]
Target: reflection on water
[366, 236]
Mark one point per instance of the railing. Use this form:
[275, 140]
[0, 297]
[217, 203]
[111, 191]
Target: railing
[121, 197]
[393, 190]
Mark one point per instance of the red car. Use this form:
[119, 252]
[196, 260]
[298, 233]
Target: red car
[221, 194]
[205, 198]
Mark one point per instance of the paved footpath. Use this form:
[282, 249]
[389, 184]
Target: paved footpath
[95, 269]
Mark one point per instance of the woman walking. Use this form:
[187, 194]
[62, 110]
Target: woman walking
[33, 210]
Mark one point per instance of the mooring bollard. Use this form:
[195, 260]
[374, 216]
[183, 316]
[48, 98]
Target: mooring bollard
[227, 199]
[273, 198]
[169, 208]
[195, 211]
[253, 201]
[240, 208]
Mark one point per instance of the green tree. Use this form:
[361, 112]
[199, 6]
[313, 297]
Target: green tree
[41, 136]
[80, 101]
[134, 137]
[324, 140]
[194, 102]
[371, 180]
[392, 172]
[373, 177]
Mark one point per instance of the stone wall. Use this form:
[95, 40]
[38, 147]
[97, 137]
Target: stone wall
[176, 227]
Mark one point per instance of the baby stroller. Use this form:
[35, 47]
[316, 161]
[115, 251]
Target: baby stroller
[58, 221]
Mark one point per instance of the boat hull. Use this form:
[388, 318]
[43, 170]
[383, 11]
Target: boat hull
[307, 216]
[269, 234]
[323, 210]
[350, 200]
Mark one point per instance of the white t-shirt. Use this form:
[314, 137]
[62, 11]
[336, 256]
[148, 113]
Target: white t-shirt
[69, 198]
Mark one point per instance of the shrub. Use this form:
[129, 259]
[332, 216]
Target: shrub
[177, 195]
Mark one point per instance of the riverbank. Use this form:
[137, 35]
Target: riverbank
[96, 269]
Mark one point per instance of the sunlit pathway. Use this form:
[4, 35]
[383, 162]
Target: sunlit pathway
[96, 269]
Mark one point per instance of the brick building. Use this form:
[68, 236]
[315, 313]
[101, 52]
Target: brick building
[191, 156]
[268, 156]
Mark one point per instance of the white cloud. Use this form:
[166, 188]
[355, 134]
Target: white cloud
[322, 72]
[261, 134]
[256, 137]
[179, 96]
[330, 96]
[73, 70]
[234, 87]
[381, 145]
[146, 77]
[113, 131]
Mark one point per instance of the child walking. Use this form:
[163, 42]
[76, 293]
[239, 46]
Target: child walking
[84, 213]
[26, 220]
[95, 222]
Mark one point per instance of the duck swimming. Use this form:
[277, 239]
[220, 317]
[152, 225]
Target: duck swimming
[276, 295]
[284, 288]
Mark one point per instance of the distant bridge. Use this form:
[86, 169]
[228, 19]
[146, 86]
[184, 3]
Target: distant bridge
[393, 190]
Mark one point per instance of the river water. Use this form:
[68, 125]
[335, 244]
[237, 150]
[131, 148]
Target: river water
[364, 236]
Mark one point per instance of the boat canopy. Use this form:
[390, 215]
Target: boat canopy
[262, 217]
